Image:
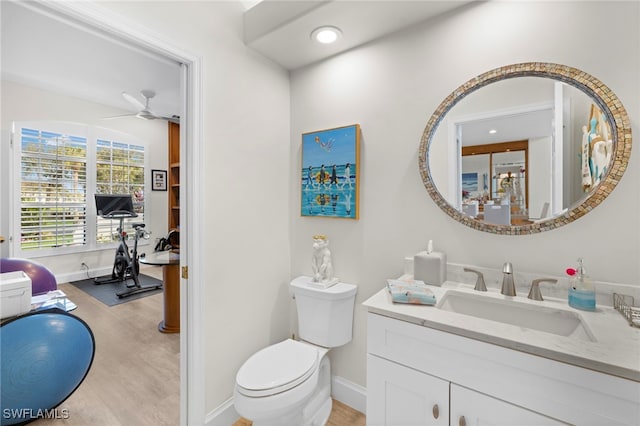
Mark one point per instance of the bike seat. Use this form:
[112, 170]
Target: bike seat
[137, 225]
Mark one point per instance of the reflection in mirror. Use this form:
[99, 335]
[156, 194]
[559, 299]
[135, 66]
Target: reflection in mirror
[503, 170]
[540, 144]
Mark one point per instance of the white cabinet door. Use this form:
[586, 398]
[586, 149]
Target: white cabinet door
[470, 408]
[401, 396]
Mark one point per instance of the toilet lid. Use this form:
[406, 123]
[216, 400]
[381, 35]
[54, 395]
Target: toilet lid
[277, 368]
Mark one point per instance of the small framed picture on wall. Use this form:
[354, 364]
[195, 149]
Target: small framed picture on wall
[331, 173]
[158, 180]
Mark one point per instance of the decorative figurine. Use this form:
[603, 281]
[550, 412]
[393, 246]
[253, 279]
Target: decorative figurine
[321, 262]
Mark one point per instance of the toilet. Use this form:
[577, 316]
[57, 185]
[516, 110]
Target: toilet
[289, 383]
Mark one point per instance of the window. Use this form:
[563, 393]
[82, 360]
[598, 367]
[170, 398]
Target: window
[53, 189]
[119, 170]
[60, 168]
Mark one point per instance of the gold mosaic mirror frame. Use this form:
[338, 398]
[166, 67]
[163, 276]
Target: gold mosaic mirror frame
[599, 93]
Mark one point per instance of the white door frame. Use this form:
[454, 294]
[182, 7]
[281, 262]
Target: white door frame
[192, 387]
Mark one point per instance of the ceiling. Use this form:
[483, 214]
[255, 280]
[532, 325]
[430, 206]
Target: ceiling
[513, 127]
[281, 30]
[66, 57]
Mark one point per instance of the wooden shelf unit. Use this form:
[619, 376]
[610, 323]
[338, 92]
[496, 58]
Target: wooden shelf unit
[174, 176]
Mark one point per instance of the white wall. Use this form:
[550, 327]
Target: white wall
[539, 175]
[392, 86]
[24, 103]
[246, 204]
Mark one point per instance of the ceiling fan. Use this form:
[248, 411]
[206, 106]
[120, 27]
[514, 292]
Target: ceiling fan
[144, 111]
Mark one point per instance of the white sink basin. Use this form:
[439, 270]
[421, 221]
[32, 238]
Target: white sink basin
[527, 315]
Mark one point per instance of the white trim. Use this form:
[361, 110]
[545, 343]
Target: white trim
[557, 160]
[192, 385]
[502, 112]
[192, 366]
[225, 414]
[82, 275]
[349, 393]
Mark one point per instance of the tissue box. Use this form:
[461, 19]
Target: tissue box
[15, 294]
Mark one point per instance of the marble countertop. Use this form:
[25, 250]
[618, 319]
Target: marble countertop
[616, 350]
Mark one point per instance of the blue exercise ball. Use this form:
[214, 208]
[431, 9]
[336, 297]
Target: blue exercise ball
[45, 357]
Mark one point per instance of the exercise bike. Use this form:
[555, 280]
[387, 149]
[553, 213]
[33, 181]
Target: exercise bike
[126, 265]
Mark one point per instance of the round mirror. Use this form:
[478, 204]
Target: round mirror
[525, 148]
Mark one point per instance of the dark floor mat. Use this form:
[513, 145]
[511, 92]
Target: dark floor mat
[107, 293]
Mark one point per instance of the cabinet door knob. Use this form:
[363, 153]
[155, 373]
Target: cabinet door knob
[462, 421]
[436, 411]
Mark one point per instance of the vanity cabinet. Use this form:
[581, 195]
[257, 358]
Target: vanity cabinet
[411, 368]
[398, 395]
[469, 408]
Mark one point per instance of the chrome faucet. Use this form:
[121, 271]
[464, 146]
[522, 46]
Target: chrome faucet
[480, 285]
[534, 293]
[508, 287]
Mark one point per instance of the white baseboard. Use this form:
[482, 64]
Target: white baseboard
[345, 391]
[223, 415]
[82, 275]
[349, 393]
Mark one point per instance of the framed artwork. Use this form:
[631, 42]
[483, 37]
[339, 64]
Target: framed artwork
[331, 173]
[158, 180]
[469, 184]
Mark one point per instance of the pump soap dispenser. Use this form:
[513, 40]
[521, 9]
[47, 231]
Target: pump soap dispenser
[430, 266]
[582, 292]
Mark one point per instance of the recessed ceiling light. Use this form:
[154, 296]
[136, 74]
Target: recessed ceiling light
[326, 34]
[493, 131]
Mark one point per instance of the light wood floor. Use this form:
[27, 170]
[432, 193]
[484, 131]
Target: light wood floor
[135, 376]
[341, 415]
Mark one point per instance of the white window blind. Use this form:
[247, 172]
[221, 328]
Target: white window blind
[119, 170]
[53, 191]
[60, 167]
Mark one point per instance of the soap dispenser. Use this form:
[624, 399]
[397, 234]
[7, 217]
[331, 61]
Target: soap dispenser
[582, 292]
[430, 266]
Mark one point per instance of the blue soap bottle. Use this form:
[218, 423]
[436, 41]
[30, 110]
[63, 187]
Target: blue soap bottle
[582, 292]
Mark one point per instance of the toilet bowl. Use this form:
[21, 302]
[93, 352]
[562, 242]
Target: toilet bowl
[285, 384]
[289, 383]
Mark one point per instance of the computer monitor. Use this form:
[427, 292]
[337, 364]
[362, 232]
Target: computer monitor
[114, 205]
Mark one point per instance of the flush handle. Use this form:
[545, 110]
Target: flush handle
[462, 421]
[436, 411]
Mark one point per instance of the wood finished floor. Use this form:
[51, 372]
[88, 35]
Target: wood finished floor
[135, 376]
[341, 415]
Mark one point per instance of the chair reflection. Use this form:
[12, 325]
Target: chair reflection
[499, 214]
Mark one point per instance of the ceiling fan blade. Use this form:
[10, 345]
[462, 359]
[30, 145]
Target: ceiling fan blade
[119, 116]
[173, 118]
[146, 114]
[133, 101]
[144, 111]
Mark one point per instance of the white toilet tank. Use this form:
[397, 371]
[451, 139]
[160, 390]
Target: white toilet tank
[325, 315]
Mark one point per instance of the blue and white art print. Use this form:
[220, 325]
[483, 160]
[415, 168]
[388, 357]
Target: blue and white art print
[330, 172]
[469, 184]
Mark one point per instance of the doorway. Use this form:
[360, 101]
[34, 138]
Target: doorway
[97, 19]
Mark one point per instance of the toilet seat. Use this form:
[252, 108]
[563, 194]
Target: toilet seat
[277, 368]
